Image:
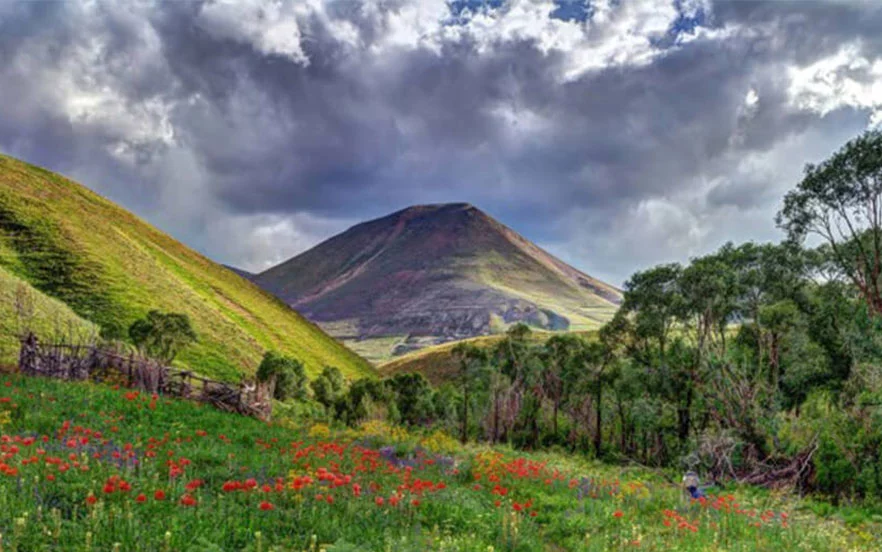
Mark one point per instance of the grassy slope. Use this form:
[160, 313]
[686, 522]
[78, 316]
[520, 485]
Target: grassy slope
[438, 364]
[51, 317]
[577, 505]
[111, 268]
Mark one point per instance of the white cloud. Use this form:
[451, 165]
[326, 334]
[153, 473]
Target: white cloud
[845, 79]
[617, 34]
[258, 242]
[269, 27]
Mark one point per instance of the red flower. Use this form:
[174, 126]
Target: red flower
[497, 504]
[91, 499]
[141, 498]
[379, 501]
[618, 514]
[188, 500]
[266, 506]
[230, 486]
[109, 488]
[159, 495]
[193, 485]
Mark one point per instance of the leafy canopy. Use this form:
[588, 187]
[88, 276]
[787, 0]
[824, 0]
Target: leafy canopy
[162, 335]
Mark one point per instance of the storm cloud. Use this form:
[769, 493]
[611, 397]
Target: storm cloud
[616, 133]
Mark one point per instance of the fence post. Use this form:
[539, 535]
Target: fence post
[28, 355]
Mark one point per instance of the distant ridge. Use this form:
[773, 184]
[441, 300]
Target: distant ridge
[243, 273]
[436, 273]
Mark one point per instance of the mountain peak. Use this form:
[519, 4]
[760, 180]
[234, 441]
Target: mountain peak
[434, 273]
[438, 209]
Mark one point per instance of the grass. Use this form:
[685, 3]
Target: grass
[49, 317]
[376, 349]
[110, 268]
[88, 467]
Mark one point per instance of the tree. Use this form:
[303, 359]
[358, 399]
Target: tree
[840, 200]
[328, 386]
[472, 369]
[558, 356]
[366, 397]
[162, 335]
[413, 397]
[288, 373]
[653, 297]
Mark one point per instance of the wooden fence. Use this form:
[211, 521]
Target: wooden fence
[88, 362]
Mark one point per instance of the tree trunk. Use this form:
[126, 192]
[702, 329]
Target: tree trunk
[554, 422]
[684, 414]
[495, 416]
[598, 435]
[465, 414]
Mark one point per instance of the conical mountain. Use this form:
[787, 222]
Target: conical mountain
[436, 273]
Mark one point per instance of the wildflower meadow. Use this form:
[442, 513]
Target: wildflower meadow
[89, 467]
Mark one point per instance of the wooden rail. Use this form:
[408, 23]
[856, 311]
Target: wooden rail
[87, 362]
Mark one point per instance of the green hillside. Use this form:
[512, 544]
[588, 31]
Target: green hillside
[110, 268]
[47, 316]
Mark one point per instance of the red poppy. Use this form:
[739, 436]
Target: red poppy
[141, 498]
[379, 501]
[266, 506]
[91, 499]
[618, 514]
[159, 495]
[188, 500]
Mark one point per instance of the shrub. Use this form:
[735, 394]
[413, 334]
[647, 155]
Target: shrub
[288, 373]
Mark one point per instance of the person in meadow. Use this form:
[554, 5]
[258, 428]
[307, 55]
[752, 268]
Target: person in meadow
[693, 485]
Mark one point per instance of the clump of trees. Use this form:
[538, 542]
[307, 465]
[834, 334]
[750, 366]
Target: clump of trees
[741, 360]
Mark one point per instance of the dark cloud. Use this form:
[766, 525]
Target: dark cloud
[617, 134]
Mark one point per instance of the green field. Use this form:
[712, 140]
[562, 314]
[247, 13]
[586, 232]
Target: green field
[110, 268]
[87, 467]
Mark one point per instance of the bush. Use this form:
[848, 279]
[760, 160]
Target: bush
[161, 335]
[288, 373]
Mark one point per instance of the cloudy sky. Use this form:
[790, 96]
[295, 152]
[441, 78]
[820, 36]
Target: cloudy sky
[615, 133]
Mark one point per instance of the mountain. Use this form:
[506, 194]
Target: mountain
[435, 273]
[88, 261]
